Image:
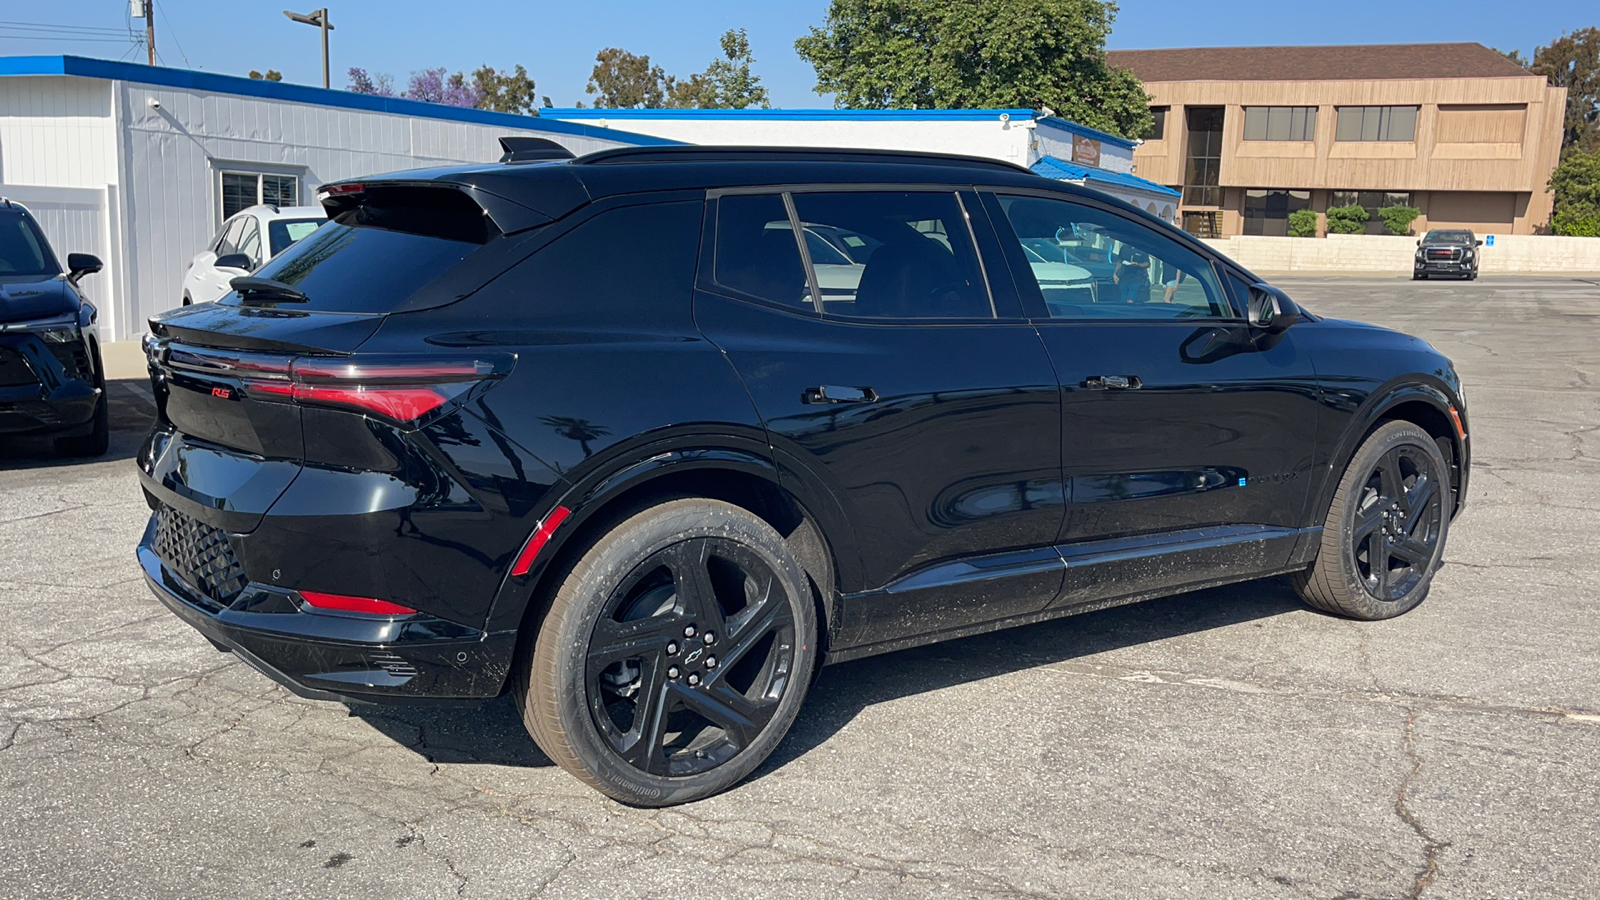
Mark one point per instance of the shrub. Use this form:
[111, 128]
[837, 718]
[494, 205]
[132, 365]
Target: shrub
[1398, 219]
[1576, 185]
[1302, 223]
[1348, 219]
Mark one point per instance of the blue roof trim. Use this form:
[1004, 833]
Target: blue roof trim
[298, 93]
[1086, 131]
[833, 115]
[1060, 170]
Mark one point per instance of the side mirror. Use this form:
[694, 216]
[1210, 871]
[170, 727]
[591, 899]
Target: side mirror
[234, 261]
[81, 264]
[1271, 310]
[1419, 242]
[1478, 242]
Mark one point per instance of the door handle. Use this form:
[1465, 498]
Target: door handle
[1113, 382]
[832, 393]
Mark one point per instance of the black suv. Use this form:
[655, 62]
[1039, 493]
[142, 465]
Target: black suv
[1446, 251]
[51, 381]
[649, 435]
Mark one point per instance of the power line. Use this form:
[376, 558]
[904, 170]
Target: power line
[172, 31]
[48, 27]
[60, 38]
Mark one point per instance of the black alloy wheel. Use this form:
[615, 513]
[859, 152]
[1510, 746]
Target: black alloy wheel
[1398, 523]
[1385, 532]
[691, 657]
[675, 655]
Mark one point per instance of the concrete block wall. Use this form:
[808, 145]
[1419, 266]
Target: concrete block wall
[1387, 255]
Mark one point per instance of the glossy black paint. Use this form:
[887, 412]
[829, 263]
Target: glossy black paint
[50, 378]
[978, 482]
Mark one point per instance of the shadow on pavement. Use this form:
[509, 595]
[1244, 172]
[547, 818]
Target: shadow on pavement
[132, 412]
[493, 733]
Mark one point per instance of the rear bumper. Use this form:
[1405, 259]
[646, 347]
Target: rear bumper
[329, 656]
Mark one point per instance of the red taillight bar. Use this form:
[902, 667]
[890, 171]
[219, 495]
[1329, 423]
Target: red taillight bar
[345, 603]
[540, 537]
[397, 387]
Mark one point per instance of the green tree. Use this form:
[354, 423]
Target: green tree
[272, 75]
[1576, 186]
[1572, 61]
[947, 54]
[623, 80]
[1302, 223]
[1398, 219]
[508, 92]
[1350, 219]
[728, 83]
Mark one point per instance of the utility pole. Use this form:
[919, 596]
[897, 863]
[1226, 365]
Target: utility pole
[319, 19]
[150, 29]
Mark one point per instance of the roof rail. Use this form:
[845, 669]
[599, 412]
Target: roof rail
[697, 153]
[519, 148]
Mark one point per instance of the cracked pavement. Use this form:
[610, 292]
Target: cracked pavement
[1227, 743]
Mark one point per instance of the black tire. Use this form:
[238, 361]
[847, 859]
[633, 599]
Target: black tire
[98, 440]
[1394, 502]
[186, 300]
[1419, 276]
[632, 632]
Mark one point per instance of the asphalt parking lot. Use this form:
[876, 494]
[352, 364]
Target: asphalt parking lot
[1223, 744]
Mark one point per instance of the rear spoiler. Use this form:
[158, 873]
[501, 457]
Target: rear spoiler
[531, 149]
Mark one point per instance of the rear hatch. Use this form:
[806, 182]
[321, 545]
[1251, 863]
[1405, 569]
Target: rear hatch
[234, 380]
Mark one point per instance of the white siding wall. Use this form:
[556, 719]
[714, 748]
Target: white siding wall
[172, 158]
[970, 137]
[56, 132]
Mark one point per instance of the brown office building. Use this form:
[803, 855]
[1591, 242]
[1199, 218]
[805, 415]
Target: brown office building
[1250, 134]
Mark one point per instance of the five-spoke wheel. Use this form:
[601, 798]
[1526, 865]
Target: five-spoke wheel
[1385, 531]
[675, 654]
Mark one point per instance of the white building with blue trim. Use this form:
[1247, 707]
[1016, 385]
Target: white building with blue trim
[140, 164]
[1050, 145]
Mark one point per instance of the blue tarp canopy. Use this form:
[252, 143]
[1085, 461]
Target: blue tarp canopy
[1060, 170]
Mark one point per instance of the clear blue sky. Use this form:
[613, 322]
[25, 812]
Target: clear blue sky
[557, 41]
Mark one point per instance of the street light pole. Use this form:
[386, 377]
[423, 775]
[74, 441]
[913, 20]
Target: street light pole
[319, 19]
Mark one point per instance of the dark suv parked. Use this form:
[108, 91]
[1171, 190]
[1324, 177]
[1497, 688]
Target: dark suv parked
[51, 382]
[605, 432]
[1447, 251]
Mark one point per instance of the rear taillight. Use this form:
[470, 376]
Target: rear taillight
[401, 388]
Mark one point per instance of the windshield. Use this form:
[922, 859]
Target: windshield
[1448, 237]
[283, 232]
[23, 250]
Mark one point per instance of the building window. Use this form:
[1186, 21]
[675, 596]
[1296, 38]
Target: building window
[1267, 211]
[1280, 123]
[1158, 131]
[1202, 171]
[245, 189]
[1372, 201]
[1376, 123]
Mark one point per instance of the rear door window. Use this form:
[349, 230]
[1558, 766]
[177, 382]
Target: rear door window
[756, 254]
[377, 253]
[893, 255]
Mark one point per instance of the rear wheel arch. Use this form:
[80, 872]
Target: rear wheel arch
[748, 482]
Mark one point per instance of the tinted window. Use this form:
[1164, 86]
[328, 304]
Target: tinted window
[23, 250]
[626, 267]
[374, 256]
[916, 259]
[1091, 264]
[756, 253]
[283, 232]
[231, 233]
[1449, 237]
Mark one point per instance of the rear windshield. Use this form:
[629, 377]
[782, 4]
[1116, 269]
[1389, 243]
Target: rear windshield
[23, 250]
[373, 256]
[283, 232]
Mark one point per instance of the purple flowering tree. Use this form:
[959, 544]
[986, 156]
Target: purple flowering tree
[380, 85]
[433, 86]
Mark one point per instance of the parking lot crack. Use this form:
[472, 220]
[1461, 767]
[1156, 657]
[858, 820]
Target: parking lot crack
[1431, 846]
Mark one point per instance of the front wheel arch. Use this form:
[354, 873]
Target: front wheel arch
[1420, 404]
